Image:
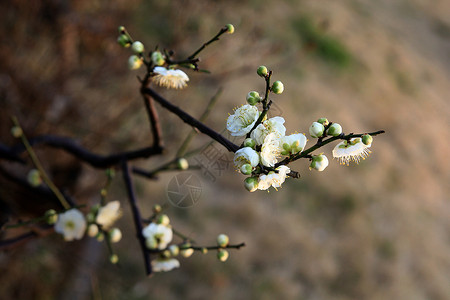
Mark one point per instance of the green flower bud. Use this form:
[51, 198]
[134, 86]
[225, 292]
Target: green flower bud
[115, 235]
[316, 130]
[262, 71]
[246, 169]
[319, 162]
[51, 216]
[157, 209]
[223, 240]
[174, 250]
[222, 255]
[158, 58]
[16, 131]
[251, 184]
[92, 230]
[34, 178]
[204, 250]
[134, 62]
[163, 220]
[277, 87]
[137, 47]
[230, 28]
[249, 142]
[114, 258]
[124, 41]
[334, 130]
[253, 98]
[323, 121]
[182, 163]
[121, 29]
[367, 139]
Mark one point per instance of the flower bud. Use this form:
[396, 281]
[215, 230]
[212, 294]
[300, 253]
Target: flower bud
[137, 47]
[151, 243]
[115, 235]
[253, 98]
[103, 192]
[100, 237]
[166, 253]
[204, 250]
[51, 216]
[323, 121]
[34, 178]
[163, 220]
[251, 184]
[16, 131]
[319, 162]
[92, 230]
[134, 62]
[316, 130]
[367, 139]
[158, 58]
[223, 240]
[222, 255]
[277, 87]
[334, 130]
[246, 169]
[187, 252]
[157, 209]
[249, 142]
[230, 28]
[121, 29]
[262, 71]
[182, 163]
[114, 258]
[124, 41]
[174, 250]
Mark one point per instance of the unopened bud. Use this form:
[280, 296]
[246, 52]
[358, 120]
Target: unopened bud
[134, 62]
[262, 71]
[137, 47]
[253, 98]
[34, 178]
[182, 163]
[222, 255]
[124, 41]
[115, 235]
[163, 220]
[230, 28]
[323, 121]
[277, 87]
[157, 209]
[114, 258]
[223, 240]
[319, 162]
[16, 131]
[174, 250]
[51, 216]
[246, 169]
[251, 184]
[187, 252]
[249, 142]
[367, 139]
[158, 58]
[92, 230]
[316, 130]
[334, 130]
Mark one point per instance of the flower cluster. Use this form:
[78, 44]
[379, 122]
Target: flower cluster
[266, 150]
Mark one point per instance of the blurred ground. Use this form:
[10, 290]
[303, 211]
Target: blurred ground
[379, 230]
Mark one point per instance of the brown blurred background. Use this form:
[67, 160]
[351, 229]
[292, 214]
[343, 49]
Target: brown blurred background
[380, 230]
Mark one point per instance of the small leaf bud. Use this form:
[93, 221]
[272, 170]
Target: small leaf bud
[114, 258]
[163, 220]
[246, 169]
[223, 240]
[51, 216]
[174, 250]
[92, 230]
[251, 184]
[34, 178]
[323, 121]
[367, 139]
[182, 163]
[124, 41]
[253, 98]
[262, 71]
[230, 28]
[249, 142]
[158, 58]
[134, 62]
[316, 130]
[16, 131]
[222, 255]
[137, 47]
[319, 162]
[277, 87]
[334, 130]
[157, 209]
[115, 235]
[204, 250]
[187, 252]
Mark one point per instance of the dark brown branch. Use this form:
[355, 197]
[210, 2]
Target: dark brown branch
[153, 117]
[8, 154]
[98, 161]
[191, 120]
[23, 238]
[136, 215]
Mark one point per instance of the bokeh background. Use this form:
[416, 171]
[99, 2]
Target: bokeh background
[379, 230]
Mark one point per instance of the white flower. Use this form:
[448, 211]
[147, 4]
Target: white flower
[243, 120]
[271, 150]
[164, 264]
[244, 156]
[293, 143]
[175, 79]
[158, 236]
[319, 162]
[71, 224]
[353, 150]
[273, 125]
[108, 214]
[273, 179]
